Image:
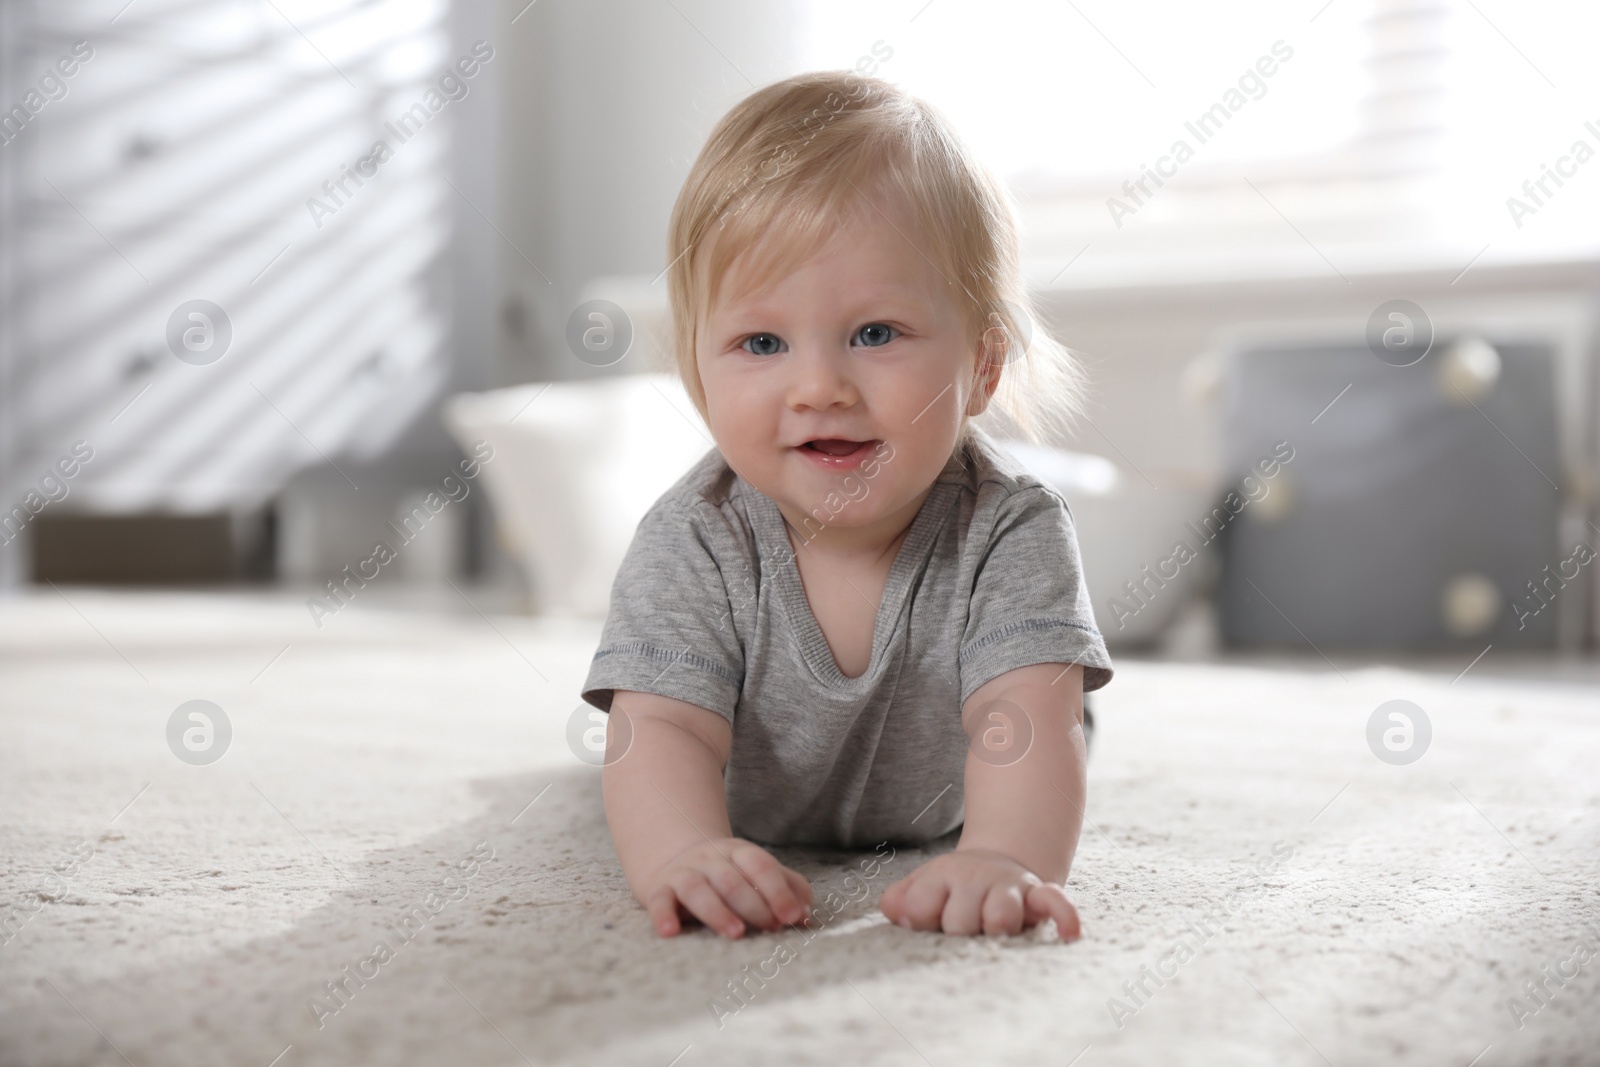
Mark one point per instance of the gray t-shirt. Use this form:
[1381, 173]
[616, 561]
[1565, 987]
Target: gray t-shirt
[708, 607]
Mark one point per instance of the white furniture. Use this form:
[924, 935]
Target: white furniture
[576, 465]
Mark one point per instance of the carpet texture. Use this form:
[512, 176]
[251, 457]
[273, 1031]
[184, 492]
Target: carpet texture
[404, 777]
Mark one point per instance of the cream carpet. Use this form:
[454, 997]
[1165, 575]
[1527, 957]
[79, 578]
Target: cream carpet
[1332, 908]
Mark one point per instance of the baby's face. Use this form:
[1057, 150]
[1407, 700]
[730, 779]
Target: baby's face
[839, 390]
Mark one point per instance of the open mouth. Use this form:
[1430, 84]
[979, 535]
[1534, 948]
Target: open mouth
[837, 453]
[836, 447]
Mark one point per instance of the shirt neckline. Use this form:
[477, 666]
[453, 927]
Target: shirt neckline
[773, 541]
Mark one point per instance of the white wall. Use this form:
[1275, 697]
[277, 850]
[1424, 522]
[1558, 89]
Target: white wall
[606, 104]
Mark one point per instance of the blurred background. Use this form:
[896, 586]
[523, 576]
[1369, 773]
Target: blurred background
[272, 271]
[332, 388]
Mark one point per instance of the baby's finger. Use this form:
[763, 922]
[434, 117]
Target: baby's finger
[706, 904]
[740, 893]
[892, 901]
[1048, 900]
[924, 903]
[1003, 910]
[801, 889]
[663, 910]
[768, 875]
[963, 909]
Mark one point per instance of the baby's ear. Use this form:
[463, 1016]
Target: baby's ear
[993, 345]
[990, 362]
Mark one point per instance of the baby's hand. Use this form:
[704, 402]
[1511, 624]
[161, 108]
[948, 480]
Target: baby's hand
[973, 891]
[726, 883]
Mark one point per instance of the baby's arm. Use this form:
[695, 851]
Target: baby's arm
[669, 822]
[1022, 818]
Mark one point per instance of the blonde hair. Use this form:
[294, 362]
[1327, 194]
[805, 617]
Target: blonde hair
[793, 158]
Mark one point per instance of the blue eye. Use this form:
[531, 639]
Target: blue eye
[875, 334]
[762, 344]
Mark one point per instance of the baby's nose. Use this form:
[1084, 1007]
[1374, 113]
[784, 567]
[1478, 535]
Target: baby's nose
[821, 379]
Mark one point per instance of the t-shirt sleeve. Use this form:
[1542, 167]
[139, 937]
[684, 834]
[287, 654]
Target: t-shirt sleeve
[670, 628]
[1029, 601]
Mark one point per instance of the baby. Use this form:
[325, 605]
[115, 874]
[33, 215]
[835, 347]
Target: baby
[855, 620]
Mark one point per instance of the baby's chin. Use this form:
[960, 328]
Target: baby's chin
[884, 509]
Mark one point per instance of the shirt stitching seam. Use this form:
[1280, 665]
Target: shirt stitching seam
[647, 651]
[1011, 629]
